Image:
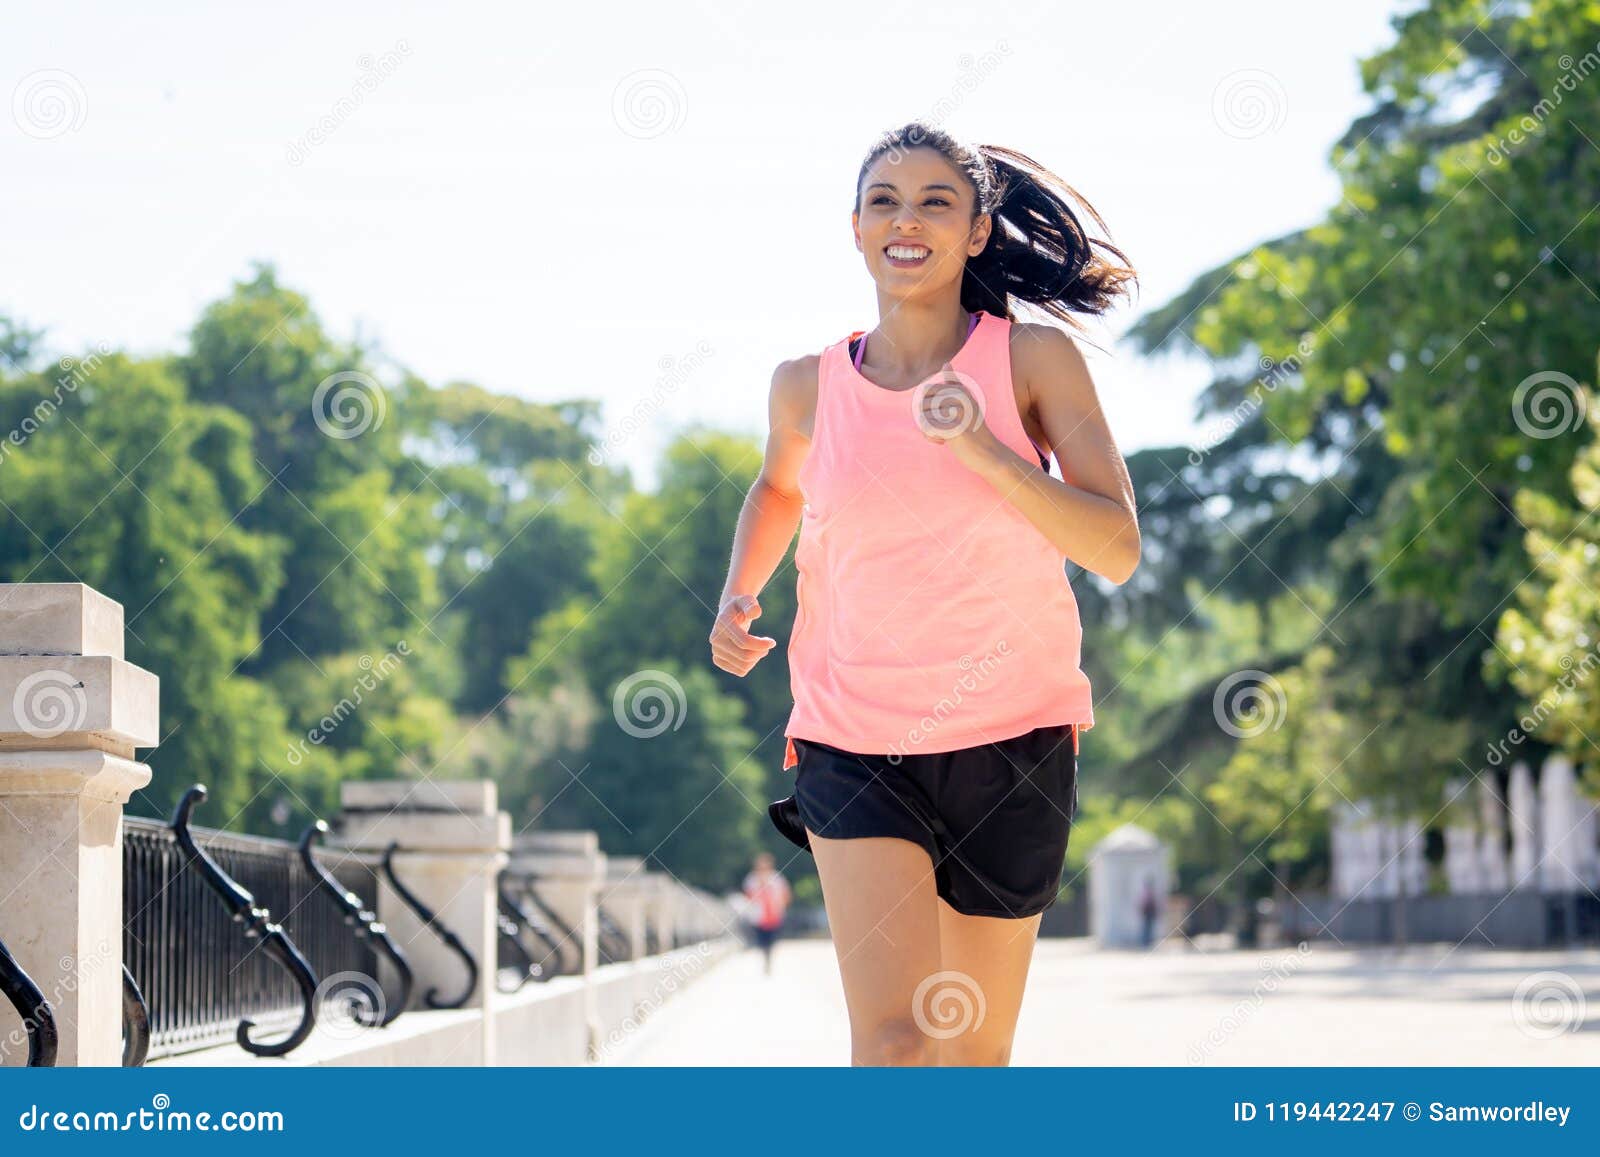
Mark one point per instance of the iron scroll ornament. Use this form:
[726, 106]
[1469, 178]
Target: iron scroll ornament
[135, 1023]
[366, 923]
[552, 964]
[563, 929]
[613, 942]
[450, 939]
[258, 924]
[513, 919]
[37, 1015]
[511, 933]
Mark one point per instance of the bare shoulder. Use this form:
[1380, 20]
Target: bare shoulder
[793, 399]
[1047, 360]
[1045, 350]
[791, 414]
[796, 374]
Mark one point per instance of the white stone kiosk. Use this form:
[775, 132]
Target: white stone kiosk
[1118, 868]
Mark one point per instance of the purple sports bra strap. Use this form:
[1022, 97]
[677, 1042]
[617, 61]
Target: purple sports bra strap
[861, 348]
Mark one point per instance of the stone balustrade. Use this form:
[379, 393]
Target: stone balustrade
[73, 712]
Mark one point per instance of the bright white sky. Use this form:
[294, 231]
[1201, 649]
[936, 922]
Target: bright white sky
[493, 211]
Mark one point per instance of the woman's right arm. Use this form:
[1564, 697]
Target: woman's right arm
[769, 517]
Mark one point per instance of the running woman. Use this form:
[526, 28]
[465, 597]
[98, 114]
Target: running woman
[934, 660]
[769, 895]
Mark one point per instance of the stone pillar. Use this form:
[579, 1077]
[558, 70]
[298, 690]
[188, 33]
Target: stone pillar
[689, 913]
[1460, 840]
[72, 711]
[1412, 860]
[1492, 871]
[569, 871]
[626, 894]
[711, 915]
[453, 842]
[1568, 822]
[1523, 815]
[1354, 851]
[661, 909]
[1359, 853]
[1461, 860]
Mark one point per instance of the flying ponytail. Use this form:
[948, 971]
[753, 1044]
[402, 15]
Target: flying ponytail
[1039, 251]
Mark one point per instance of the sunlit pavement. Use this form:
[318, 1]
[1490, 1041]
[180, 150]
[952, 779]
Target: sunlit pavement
[1429, 1005]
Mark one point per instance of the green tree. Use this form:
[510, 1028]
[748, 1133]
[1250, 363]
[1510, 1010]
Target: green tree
[122, 482]
[324, 436]
[1549, 643]
[1389, 351]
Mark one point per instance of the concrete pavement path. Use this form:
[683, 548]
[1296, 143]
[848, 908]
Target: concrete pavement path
[1428, 1005]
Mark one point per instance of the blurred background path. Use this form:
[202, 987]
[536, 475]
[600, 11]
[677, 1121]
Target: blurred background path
[1427, 1005]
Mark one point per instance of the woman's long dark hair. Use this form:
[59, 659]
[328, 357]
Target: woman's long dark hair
[1038, 250]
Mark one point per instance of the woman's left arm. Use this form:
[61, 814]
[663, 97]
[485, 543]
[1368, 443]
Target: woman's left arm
[1091, 515]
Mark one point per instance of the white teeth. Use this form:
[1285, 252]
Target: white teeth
[902, 253]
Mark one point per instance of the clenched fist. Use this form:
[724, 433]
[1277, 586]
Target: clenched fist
[733, 647]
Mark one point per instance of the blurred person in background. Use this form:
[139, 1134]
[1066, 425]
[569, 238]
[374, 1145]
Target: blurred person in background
[769, 896]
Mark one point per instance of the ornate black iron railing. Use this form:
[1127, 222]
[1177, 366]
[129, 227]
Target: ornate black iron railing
[364, 922]
[612, 944]
[257, 924]
[563, 949]
[135, 1023]
[199, 973]
[38, 1018]
[515, 961]
[432, 998]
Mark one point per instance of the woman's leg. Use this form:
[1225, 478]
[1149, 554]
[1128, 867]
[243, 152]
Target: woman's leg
[883, 913]
[985, 959]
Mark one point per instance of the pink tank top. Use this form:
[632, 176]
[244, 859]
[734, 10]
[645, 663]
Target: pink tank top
[931, 614]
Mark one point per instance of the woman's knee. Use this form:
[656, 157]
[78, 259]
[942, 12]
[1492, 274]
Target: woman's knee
[897, 1041]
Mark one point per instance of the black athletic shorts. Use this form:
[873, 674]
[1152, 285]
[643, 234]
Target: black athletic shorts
[993, 818]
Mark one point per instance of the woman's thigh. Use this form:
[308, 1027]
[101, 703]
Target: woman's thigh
[984, 965]
[883, 913]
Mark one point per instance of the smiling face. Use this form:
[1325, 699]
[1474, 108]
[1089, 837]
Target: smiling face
[914, 224]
